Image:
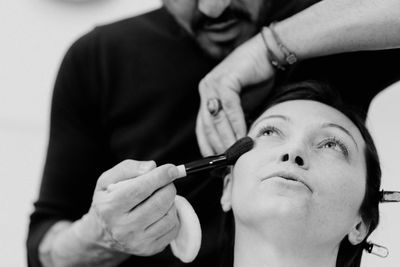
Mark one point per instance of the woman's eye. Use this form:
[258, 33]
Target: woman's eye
[331, 145]
[268, 131]
[335, 144]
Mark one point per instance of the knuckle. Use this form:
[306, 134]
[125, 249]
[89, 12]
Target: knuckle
[210, 83]
[168, 195]
[173, 232]
[138, 192]
[165, 168]
[219, 118]
[127, 168]
[146, 249]
[208, 129]
[204, 84]
[143, 251]
[102, 181]
[170, 222]
[169, 192]
[103, 212]
[160, 204]
[129, 163]
[159, 248]
[229, 103]
[238, 126]
[123, 167]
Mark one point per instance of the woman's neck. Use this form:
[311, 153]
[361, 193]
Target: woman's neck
[252, 249]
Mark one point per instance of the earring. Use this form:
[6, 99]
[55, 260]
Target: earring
[377, 250]
[389, 196]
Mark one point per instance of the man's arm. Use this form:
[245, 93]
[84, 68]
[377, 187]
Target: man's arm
[336, 26]
[132, 213]
[328, 27]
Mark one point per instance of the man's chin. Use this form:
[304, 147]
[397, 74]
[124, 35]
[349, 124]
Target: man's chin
[217, 51]
[220, 45]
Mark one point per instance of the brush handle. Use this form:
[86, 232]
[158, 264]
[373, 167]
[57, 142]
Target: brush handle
[207, 163]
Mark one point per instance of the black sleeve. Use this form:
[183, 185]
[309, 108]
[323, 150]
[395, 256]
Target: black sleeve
[76, 154]
[280, 10]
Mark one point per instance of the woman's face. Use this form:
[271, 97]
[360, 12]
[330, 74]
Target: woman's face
[306, 172]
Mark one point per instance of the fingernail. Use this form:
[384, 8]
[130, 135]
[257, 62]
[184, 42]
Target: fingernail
[145, 166]
[173, 172]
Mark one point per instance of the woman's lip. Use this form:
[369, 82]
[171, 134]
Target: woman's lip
[288, 176]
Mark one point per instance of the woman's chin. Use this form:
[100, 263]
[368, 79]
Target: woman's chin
[280, 220]
[275, 209]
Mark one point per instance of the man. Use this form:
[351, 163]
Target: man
[328, 27]
[128, 90]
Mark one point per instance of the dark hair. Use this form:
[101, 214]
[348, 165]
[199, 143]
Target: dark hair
[348, 255]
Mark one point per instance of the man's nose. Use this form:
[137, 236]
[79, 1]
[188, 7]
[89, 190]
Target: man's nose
[213, 8]
[295, 156]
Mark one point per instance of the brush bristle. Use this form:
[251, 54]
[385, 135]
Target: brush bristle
[239, 148]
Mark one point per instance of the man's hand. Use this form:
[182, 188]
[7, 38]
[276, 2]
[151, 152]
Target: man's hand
[247, 65]
[133, 209]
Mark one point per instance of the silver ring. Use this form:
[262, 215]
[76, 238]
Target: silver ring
[214, 106]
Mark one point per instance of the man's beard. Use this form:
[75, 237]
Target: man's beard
[200, 22]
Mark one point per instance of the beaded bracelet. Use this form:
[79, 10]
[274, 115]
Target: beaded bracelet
[270, 55]
[290, 57]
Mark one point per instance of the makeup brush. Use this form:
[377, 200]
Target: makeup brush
[231, 155]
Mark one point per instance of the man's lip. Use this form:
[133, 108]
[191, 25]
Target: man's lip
[221, 26]
[288, 176]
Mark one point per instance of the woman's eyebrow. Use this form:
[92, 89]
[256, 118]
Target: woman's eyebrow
[270, 117]
[337, 126]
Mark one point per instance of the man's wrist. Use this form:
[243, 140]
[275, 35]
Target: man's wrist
[45, 249]
[63, 245]
[278, 54]
[71, 249]
[90, 238]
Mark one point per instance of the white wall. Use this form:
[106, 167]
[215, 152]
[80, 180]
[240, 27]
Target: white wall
[34, 35]
[384, 124]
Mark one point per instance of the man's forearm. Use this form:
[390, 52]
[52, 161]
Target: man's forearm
[61, 247]
[336, 26]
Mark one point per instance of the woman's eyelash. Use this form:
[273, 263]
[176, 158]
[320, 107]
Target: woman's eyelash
[265, 129]
[336, 141]
[268, 130]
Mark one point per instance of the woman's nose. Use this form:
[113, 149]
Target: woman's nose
[295, 158]
[213, 8]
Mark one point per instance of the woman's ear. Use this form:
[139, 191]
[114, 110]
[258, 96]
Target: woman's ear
[358, 232]
[227, 193]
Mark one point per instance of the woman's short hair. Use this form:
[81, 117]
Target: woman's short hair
[349, 255]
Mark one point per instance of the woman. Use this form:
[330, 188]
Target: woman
[307, 194]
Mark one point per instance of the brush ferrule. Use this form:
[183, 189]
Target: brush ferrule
[206, 163]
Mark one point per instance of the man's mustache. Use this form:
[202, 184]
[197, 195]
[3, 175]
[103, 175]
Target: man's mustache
[231, 13]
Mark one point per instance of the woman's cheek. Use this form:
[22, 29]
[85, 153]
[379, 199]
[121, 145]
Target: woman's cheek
[340, 186]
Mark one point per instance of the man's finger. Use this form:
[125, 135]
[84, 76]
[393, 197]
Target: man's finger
[224, 130]
[161, 243]
[234, 113]
[126, 169]
[205, 148]
[130, 193]
[154, 207]
[163, 225]
[211, 133]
